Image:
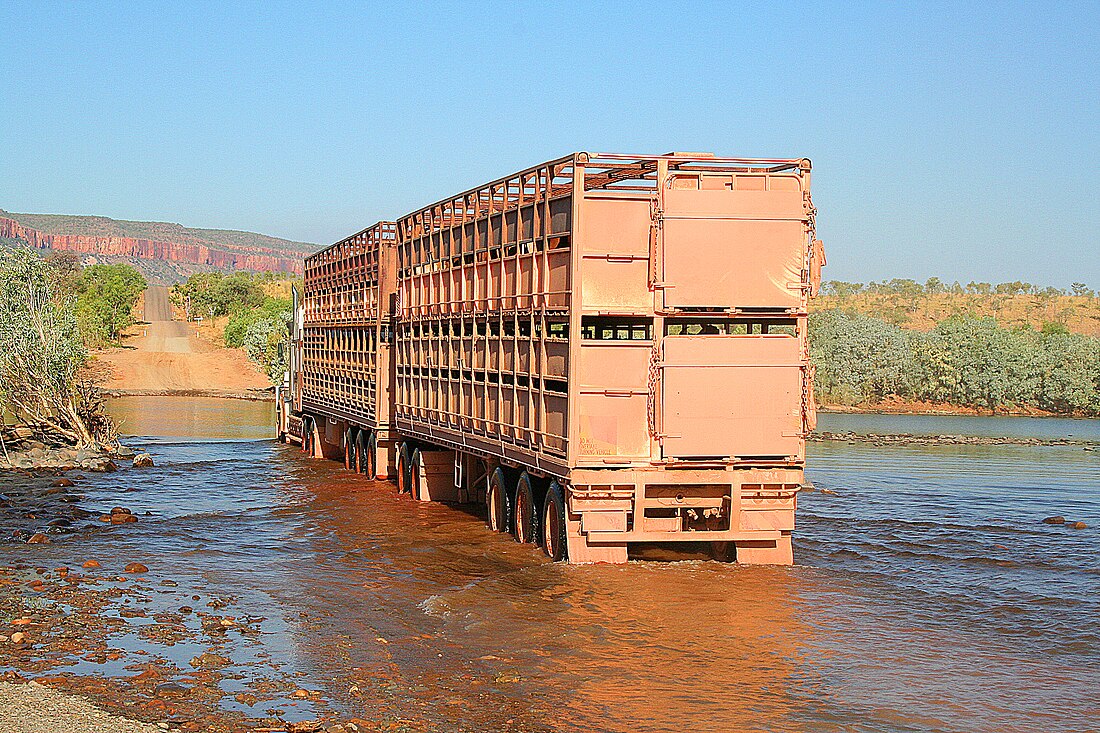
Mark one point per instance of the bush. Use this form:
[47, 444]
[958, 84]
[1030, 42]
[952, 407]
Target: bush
[964, 361]
[858, 358]
[212, 294]
[264, 341]
[42, 353]
[105, 300]
[242, 320]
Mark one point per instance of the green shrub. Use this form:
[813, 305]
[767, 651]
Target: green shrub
[966, 361]
[105, 300]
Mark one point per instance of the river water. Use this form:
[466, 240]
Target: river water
[927, 595]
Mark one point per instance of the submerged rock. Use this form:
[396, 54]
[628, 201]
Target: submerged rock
[135, 567]
[38, 539]
[1078, 525]
[171, 689]
[1054, 520]
[143, 460]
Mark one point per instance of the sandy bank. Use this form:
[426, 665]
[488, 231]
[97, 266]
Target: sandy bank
[33, 708]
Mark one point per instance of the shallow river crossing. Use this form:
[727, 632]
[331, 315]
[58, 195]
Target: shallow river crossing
[927, 596]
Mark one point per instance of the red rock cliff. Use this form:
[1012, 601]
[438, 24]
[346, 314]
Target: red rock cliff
[240, 258]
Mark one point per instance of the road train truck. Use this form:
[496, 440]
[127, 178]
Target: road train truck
[604, 350]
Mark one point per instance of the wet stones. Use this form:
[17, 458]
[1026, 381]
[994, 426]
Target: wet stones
[135, 567]
[143, 460]
[209, 660]
[62, 483]
[119, 515]
[1063, 521]
[90, 564]
[38, 538]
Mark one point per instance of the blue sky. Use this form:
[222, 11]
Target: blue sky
[947, 141]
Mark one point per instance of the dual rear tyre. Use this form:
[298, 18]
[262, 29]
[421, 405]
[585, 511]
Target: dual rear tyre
[532, 514]
[553, 523]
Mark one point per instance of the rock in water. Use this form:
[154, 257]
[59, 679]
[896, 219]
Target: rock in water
[124, 452]
[38, 539]
[135, 567]
[171, 689]
[143, 460]
[121, 518]
[1078, 525]
[62, 483]
[120, 510]
[1054, 520]
[90, 564]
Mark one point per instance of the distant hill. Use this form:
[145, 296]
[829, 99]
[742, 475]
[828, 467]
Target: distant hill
[164, 252]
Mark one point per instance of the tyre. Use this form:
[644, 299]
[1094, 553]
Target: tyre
[361, 451]
[370, 452]
[723, 551]
[553, 523]
[415, 466]
[499, 501]
[527, 510]
[307, 436]
[349, 448]
[404, 470]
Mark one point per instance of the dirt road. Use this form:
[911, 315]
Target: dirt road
[167, 357]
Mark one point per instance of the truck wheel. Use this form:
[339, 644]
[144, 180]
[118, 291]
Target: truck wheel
[414, 474]
[499, 501]
[360, 451]
[370, 448]
[404, 474]
[527, 510]
[349, 448]
[307, 436]
[553, 523]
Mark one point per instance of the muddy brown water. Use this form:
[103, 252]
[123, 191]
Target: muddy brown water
[928, 595]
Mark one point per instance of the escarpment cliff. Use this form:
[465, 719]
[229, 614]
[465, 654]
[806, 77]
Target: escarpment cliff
[164, 252]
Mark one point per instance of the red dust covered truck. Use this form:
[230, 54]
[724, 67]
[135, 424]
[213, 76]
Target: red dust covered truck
[606, 350]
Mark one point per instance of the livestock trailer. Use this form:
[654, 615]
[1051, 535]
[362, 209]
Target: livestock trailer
[605, 350]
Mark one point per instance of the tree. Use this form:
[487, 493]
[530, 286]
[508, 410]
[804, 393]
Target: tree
[41, 351]
[265, 343]
[1081, 290]
[105, 304]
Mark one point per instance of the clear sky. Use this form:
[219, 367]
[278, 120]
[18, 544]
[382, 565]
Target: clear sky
[961, 142]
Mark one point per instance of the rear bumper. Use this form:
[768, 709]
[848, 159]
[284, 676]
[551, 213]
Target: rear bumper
[707, 505]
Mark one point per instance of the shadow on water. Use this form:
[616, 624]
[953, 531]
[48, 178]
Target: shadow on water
[928, 595]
